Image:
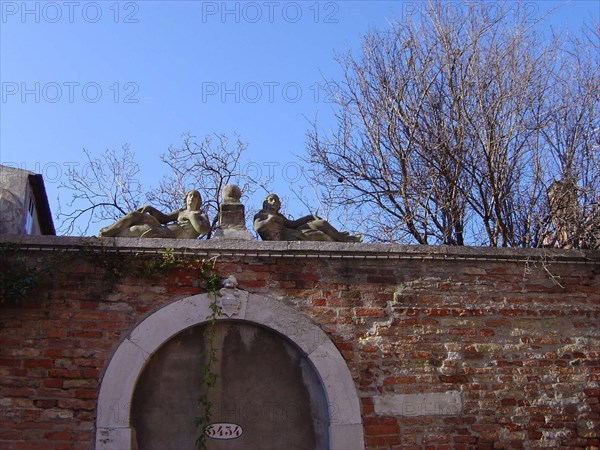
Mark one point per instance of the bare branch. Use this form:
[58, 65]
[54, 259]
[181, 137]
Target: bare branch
[104, 188]
[445, 127]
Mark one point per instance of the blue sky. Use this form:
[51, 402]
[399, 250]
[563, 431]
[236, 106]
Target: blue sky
[97, 75]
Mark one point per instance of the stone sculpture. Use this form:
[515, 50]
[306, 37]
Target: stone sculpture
[232, 216]
[271, 225]
[148, 222]
[231, 195]
[232, 301]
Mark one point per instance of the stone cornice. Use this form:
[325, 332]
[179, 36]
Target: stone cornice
[298, 249]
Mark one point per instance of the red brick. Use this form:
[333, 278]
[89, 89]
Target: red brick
[58, 436]
[344, 346]
[32, 363]
[75, 404]
[380, 421]
[88, 362]
[9, 362]
[31, 445]
[17, 392]
[370, 312]
[86, 393]
[453, 379]
[64, 373]
[381, 430]
[90, 373]
[45, 404]
[308, 277]
[53, 383]
[88, 305]
[367, 405]
[35, 425]
[58, 333]
[464, 439]
[87, 334]
[399, 380]
[54, 352]
[487, 332]
[10, 435]
[381, 441]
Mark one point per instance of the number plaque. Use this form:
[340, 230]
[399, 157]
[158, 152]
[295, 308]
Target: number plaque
[223, 431]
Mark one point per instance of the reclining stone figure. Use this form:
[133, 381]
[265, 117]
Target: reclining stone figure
[148, 222]
[271, 225]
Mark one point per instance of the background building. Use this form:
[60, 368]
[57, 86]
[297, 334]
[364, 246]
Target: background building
[24, 205]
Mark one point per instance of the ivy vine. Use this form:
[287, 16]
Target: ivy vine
[20, 274]
[209, 355]
[16, 276]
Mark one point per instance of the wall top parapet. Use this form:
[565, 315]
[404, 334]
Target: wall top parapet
[297, 249]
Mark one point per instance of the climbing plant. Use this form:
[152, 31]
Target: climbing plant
[19, 275]
[209, 354]
[16, 277]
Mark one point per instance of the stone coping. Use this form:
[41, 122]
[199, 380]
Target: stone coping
[299, 249]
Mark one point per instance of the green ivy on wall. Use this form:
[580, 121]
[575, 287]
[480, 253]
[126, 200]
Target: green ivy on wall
[19, 275]
[16, 277]
[209, 378]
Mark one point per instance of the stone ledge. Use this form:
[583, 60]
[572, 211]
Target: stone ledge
[423, 404]
[300, 249]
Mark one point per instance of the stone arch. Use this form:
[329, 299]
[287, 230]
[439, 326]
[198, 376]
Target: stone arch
[113, 427]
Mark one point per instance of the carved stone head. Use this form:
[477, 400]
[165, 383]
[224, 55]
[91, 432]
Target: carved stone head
[272, 202]
[192, 200]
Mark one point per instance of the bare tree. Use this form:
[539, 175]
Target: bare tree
[572, 144]
[103, 188]
[441, 129]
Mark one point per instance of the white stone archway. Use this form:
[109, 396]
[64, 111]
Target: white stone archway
[113, 428]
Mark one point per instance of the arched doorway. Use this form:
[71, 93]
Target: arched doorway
[292, 332]
[267, 394]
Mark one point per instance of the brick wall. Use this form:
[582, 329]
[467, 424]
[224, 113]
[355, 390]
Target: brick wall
[448, 347]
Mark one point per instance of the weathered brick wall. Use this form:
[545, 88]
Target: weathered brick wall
[512, 336]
